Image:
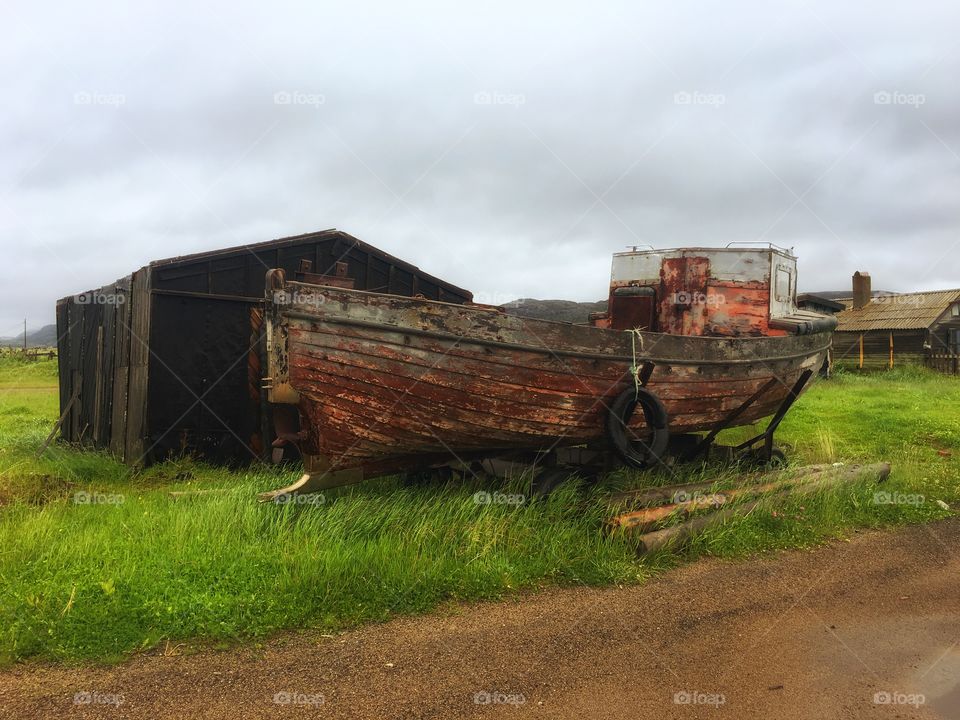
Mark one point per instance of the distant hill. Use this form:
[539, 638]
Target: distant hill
[560, 310]
[42, 337]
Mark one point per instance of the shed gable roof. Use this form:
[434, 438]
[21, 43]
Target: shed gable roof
[908, 311]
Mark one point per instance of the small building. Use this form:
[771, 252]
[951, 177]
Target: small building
[169, 359]
[883, 331]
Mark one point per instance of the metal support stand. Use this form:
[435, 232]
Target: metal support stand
[767, 435]
[704, 444]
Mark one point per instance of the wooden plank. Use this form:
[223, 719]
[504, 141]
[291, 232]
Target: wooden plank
[121, 369]
[76, 371]
[63, 365]
[89, 371]
[140, 305]
[59, 423]
[98, 388]
[105, 367]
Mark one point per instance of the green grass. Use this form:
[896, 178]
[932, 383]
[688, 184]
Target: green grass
[97, 581]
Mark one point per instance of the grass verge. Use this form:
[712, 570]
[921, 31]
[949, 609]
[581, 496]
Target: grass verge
[97, 561]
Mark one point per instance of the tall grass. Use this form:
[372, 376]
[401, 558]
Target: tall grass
[134, 568]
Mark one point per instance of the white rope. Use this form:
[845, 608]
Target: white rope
[635, 368]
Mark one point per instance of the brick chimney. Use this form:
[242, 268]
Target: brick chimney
[861, 289]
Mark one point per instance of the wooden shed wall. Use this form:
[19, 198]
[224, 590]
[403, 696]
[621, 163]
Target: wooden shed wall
[907, 348]
[175, 366]
[94, 338]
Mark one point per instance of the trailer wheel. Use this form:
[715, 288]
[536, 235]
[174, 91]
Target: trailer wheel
[549, 479]
[656, 418]
[757, 458]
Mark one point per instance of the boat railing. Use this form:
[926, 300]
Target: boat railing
[764, 243]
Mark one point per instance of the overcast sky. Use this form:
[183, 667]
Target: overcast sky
[508, 148]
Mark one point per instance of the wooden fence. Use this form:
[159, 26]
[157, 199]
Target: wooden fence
[944, 362]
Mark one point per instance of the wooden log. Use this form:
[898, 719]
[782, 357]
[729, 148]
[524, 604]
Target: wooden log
[659, 539]
[648, 496]
[643, 519]
[697, 500]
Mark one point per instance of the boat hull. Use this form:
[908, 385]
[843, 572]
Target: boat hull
[384, 383]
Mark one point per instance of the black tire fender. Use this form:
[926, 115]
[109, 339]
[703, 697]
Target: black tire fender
[655, 414]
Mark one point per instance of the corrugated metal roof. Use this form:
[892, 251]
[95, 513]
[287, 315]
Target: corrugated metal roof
[907, 311]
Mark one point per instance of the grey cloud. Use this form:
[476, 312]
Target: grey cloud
[476, 144]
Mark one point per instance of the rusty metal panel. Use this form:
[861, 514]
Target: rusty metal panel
[683, 292]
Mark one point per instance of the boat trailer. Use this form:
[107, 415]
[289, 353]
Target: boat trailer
[663, 449]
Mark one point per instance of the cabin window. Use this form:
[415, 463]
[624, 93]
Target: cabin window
[955, 310]
[782, 289]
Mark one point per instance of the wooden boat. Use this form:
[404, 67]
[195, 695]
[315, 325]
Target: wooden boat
[697, 338]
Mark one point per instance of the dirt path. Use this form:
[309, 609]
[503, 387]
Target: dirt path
[794, 635]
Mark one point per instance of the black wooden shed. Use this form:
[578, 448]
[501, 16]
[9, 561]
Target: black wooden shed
[168, 359]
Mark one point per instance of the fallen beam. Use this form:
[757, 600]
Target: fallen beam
[677, 534]
[649, 496]
[59, 423]
[686, 502]
[643, 519]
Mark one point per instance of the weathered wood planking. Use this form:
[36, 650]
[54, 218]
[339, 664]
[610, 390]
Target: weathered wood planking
[136, 429]
[382, 379]
[63, 364]
[121, 371]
